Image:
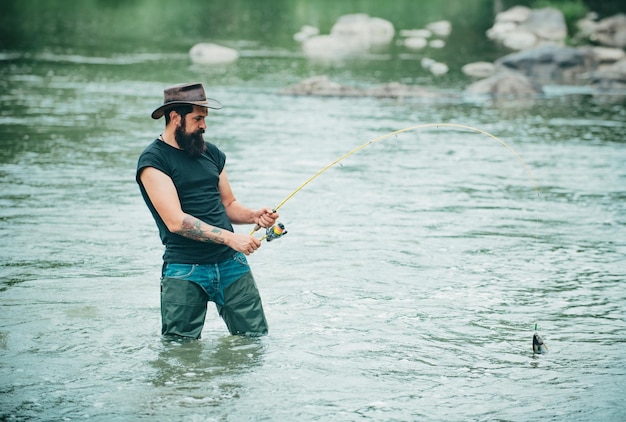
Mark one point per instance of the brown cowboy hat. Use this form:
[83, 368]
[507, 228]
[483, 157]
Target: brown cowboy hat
[192, 94]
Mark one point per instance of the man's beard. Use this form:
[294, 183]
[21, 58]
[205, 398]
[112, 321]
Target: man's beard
[192, 143]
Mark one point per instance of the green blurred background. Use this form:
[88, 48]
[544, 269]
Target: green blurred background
[100, 26]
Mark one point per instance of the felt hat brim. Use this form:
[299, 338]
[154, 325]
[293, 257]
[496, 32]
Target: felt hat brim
[209, 103]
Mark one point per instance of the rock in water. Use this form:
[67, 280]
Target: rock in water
[505, 84]
[211, 54]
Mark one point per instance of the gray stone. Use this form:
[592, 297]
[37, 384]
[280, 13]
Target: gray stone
[520, 28]
[547, 24]
[550, 64]
[322, 86]
[211, 54]
[610, 78]
[611, 32]
[351, 36]
[479, 69]
[505, 84]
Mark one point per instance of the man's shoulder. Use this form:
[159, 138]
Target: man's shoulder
[212, 147]
[153, 155]
[153, 146]
[213, 151]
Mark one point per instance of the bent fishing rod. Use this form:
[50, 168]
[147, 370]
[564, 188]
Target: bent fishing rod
[278, 230]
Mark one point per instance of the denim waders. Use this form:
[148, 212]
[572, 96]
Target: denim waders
[186, 289]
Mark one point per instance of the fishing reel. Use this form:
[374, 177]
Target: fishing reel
[275, 232]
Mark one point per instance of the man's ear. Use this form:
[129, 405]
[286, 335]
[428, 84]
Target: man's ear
[174, 117]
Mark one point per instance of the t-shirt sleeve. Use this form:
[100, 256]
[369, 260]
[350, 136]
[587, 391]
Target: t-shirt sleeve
[150, 159]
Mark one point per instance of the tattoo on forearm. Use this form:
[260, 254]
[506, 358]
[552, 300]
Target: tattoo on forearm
[192, 228]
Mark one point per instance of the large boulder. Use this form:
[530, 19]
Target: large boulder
[331, 48]
[505, 84]
[610, 78]
[551, 64]
[351, 36]
[399, 90]
[521, 28]
[547, 24]
[322, 86]
[441, 28]
[371, 31]
[610, 32]
[211, 54]
[608, 54]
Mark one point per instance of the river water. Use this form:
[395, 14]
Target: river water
[408, 285]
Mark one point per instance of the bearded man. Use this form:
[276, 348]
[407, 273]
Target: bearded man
[183, 181]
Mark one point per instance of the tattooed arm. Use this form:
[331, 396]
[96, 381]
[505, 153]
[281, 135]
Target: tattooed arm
[164, 197]
[195, 229]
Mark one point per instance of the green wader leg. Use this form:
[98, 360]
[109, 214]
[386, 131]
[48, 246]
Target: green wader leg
[242, 310]
[183, 308]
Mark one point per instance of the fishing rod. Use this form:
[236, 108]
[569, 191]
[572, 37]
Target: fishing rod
[277, 231]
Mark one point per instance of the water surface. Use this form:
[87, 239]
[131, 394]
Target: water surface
[408, 285]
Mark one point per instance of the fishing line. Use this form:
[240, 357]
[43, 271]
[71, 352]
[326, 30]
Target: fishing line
[406, 129]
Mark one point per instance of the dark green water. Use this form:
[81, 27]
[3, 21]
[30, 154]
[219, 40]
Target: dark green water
[412, 274]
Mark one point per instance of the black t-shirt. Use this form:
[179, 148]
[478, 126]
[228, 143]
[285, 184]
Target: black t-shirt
[196, 181]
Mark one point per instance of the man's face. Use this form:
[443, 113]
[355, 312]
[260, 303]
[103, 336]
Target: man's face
[188, 133]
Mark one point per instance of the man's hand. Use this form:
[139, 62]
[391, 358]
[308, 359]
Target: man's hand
[265, 217]
[243, 243]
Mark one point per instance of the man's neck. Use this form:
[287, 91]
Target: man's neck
[169, 138]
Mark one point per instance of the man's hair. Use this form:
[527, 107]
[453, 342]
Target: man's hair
[182, 110]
